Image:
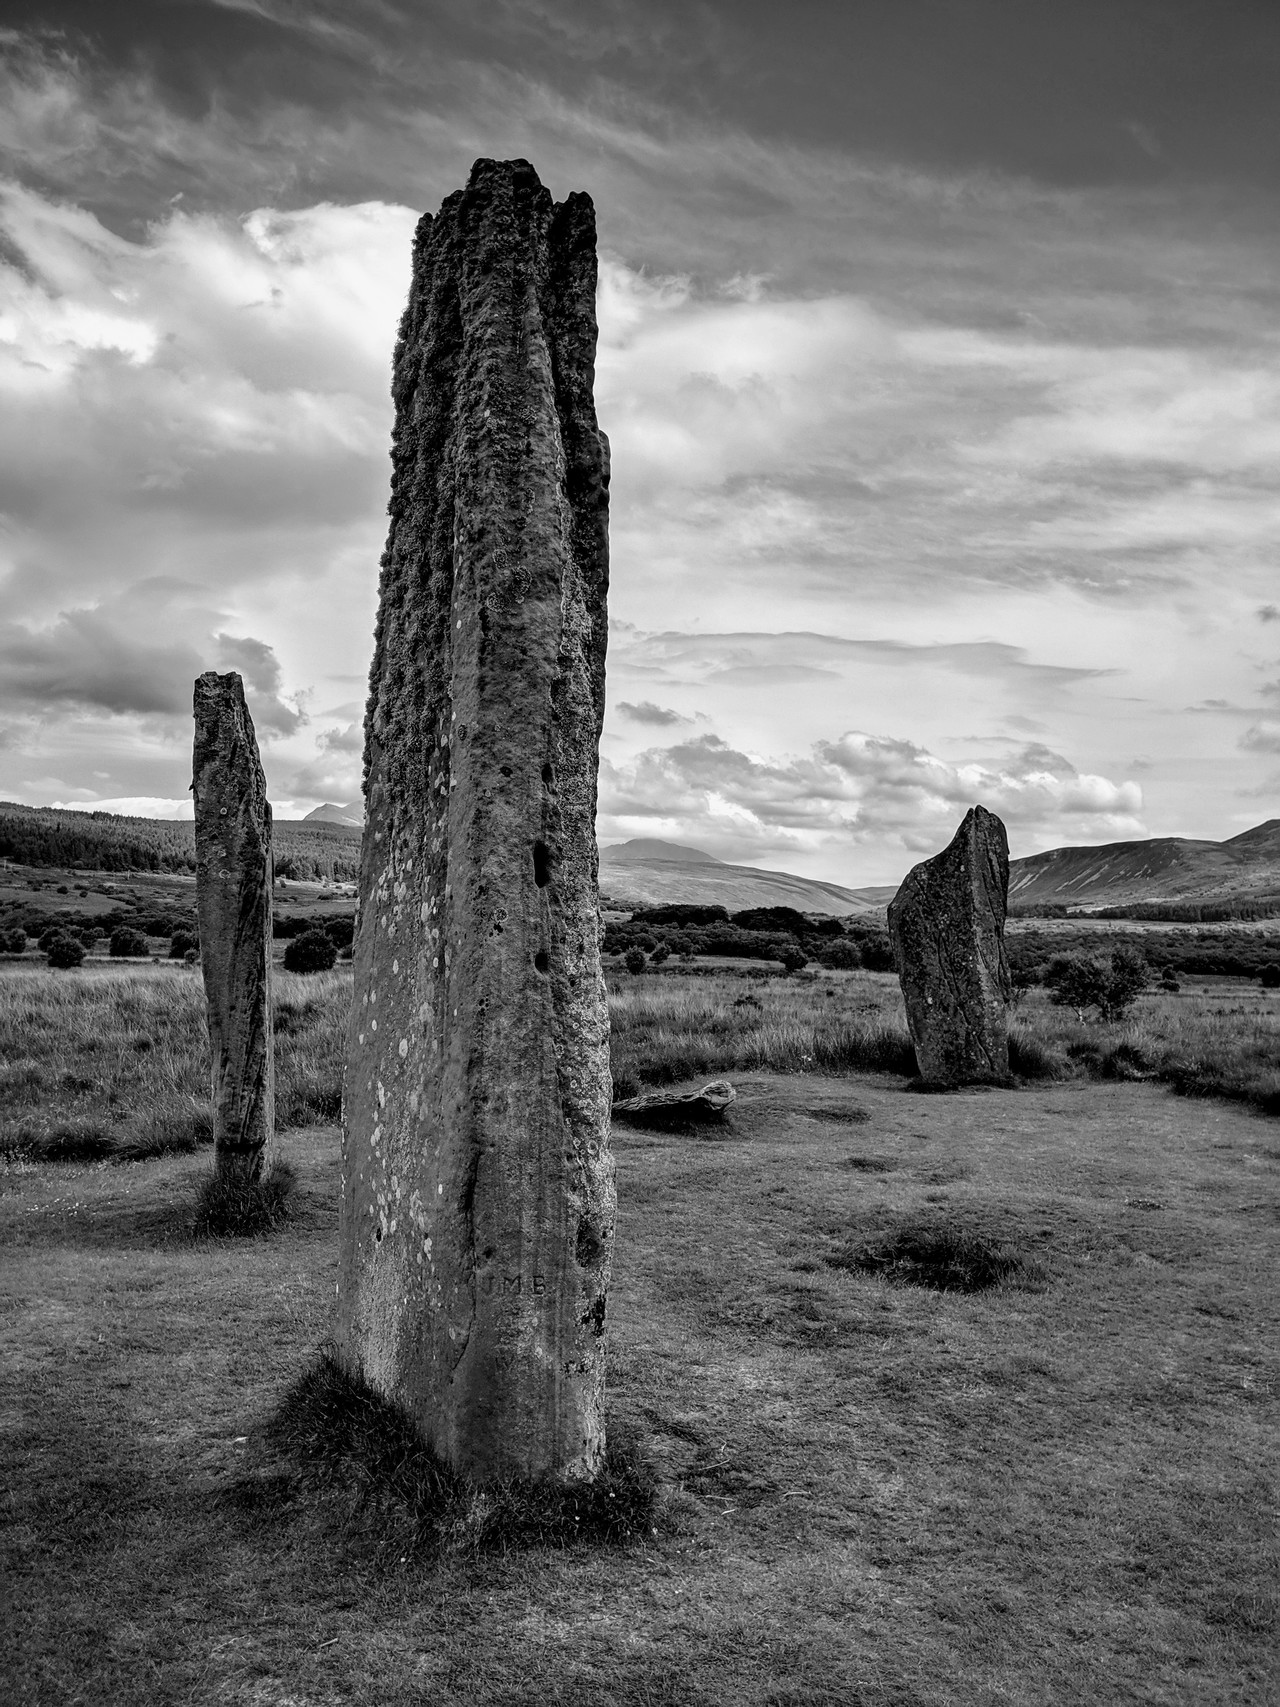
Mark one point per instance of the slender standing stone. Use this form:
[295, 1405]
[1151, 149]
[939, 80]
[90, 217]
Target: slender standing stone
[947, 925]
[233, 901]
[477, 1194]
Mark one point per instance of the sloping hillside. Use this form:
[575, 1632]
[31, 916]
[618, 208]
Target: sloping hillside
[1167, 868]
[647, 873]
[106, 841]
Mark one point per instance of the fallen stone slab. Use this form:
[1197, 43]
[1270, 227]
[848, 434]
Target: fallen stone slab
[671, 1111]
[947, 927]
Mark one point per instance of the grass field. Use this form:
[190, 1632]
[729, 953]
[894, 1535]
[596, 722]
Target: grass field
[1061, 1489]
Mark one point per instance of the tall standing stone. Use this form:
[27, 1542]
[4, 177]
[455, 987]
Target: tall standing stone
[947, 925]
[233, 901]
[477, 1194]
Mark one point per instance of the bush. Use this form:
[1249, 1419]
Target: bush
[128, 944]
[312, 952]
[65, 951]
[15, 941]
[635, 960]
[1083, 981]
[877, 954]
[660, 953]
[793, 958]
[181, 943]
[840, 956]
[1270, 976]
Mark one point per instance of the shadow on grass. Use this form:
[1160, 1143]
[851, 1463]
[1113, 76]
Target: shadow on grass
[400, 1501]
[227, 1207]
[941, 1257]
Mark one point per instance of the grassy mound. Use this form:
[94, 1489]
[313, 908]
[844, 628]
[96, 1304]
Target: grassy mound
[941, 1257]
[402, 1501]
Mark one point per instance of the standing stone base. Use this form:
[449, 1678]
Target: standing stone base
[947, 926]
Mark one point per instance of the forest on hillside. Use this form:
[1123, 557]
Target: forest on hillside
[106, 841]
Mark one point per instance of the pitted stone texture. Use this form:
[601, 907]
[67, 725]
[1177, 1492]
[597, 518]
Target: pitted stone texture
[478, 1199]
[947, 925]
[233, 901]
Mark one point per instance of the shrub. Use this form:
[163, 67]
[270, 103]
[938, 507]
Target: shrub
[635, 960]
[65, 951]
[793, 958]
[1270, 976]
[840, 956]
[181, 944]
[15, 941]
[660, 953]
[1083, 981]
[877, 954]
[126, 943]
[311, 952]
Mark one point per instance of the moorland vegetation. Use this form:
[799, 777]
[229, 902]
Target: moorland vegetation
[947, 1398]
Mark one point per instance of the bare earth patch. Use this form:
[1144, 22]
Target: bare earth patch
[871, 1492]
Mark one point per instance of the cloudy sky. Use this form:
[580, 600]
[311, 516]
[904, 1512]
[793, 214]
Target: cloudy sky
[940, 356]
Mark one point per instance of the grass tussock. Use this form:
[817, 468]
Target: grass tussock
[227, 1207]
[402, 1502]
[942, 1257]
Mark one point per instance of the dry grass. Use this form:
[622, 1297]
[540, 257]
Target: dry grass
[113, 1064]
[873, 1494]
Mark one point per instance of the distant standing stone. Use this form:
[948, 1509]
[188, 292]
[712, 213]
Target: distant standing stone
[233, 902]
[947, 926]
[477, 1191]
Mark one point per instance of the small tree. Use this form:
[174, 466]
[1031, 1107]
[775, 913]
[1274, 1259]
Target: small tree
[65, 951]
[16, 940]
[313, 951]
[128, 944]
[660, 953]
[1129, 977]
[792, 956]
[1083, 981]
[635, 960]
[181, 942]
[1271, 976]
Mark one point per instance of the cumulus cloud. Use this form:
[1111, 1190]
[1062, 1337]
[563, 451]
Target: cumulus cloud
[855, 797]
[645, 711]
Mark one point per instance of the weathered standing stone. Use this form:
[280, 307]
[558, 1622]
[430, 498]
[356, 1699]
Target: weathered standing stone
[477, 1195]
[947, 925]
[233, 900]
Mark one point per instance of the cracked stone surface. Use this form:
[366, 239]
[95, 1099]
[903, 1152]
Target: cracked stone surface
[233, 903]
[477, 1197]
[947, 926]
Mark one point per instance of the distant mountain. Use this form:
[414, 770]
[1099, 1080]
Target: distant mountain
[1168, 868]
[645, 850]
[352, 813]
[647, 873]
